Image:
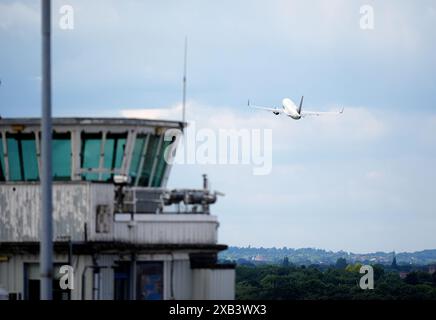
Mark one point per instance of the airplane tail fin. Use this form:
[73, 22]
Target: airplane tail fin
[301, 104]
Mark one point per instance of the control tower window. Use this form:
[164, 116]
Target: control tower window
[61, 155]
[113, 153]
[150, 156]
[137, 155]
[161, 165]
[102, 155]
[91, 154]
[2, 164]
[23, 164]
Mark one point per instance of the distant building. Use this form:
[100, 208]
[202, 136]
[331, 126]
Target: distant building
[115, 223]
[259, 258]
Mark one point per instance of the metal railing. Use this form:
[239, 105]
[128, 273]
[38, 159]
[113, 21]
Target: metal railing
[140, 200]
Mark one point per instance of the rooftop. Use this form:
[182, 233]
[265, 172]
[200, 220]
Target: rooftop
[74, 121]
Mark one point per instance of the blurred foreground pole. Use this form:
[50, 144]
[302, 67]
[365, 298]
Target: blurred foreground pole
[184, 80]
[46, 245]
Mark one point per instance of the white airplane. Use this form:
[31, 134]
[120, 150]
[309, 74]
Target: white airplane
[290, 109]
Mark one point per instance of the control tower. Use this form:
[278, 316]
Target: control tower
[125, 235]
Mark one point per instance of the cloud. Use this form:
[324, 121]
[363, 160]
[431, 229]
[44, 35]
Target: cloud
[16, 15]
[331, 171]
[349, 173]
[354, 125]
[396, 27]
[427, 131]
[172, 113]
[374, 175]
[134, 50]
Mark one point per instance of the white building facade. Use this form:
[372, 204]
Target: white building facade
[124, 234]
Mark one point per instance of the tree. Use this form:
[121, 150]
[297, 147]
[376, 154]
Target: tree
[412, 278]
[378, 271]
[341, 263]
[277, 282]
[394, 264]
[353, 267]
[285, 262]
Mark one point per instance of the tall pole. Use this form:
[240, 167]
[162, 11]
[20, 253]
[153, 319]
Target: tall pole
[46, 245]
[70, 258]
[184, 79]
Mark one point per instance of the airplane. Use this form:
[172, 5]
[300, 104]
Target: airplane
[290, 109]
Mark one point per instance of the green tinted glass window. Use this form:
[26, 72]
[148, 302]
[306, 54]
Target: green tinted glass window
[90, 156]
[30, 159]
[161, 165]
[23, 163]
[15, 160]
[61, 155]
[113, 152]
[2, 162]
[136, 156]
[149, 159]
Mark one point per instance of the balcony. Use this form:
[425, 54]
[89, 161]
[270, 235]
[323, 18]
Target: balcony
[84, 211]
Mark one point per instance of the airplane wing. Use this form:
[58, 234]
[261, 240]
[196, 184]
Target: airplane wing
[320, 113]
[271, 109]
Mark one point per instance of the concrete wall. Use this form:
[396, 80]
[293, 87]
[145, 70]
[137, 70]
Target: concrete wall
[12, 274]
[169, 228]
[213, 284]
[74, 205]
[74, 210]
[180, 281]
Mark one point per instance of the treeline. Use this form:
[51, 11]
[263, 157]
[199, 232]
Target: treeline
[289, 282]
[308, 256]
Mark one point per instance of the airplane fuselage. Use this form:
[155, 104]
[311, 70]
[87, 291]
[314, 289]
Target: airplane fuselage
[290, 109]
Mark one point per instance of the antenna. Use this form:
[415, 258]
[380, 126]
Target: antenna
[184, 79]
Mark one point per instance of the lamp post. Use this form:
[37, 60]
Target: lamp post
[46, 245]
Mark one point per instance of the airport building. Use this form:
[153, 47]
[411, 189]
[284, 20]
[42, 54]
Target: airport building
[124, 233]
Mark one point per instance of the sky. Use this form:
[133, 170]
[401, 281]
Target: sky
[363, 181]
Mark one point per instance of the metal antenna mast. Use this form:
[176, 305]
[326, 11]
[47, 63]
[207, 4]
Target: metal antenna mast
[184, 80]
[46, 245]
